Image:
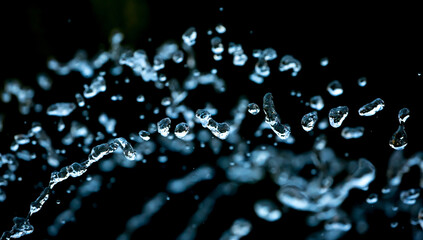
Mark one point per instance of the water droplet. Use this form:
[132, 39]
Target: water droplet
[217, 45]
[308, 121]
[316, 102]
[262, 68]
[410, 196]
[335, 88]
[253, 108]
[140, 98]
[403, 115]
[189, 36]
[337, 116]
[289, 62]
[399, 139]
[220, 29]
[362, 81]
[144, 135]
[61, 109]
[324, 62]
[372, 199]
[352, 132]
[267, 210]
[181, 130]
[163, 127]
[372, 108]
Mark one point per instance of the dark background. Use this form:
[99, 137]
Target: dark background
[382, 43]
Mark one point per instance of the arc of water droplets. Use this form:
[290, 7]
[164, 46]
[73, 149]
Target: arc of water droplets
[22, 226]
[272, 118]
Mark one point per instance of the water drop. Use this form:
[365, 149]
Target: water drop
[189, 36]
[372, 198]
[163, 126]
[308, 121]
[316, 102]
[144, 135]
[372, 108]
[352, 132]
[399, 139]
[253, 108]
[267, 210]
[181, 130]
[403, 115]
[337, 116]
[335, 88]
[362, 81]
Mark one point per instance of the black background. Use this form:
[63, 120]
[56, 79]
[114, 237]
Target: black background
[382, 43]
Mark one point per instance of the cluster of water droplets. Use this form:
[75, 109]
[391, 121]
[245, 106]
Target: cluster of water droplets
[320, 195]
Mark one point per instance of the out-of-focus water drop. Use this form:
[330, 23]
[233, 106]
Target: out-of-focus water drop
[335, 88]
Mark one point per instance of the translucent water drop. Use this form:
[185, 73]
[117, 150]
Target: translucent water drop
[335, 88]
[128, 150]
[283, 131]
[253, 108]
[363, 175]
[256, 78]
[337, 116]
[163, 127]
[269, 54]
[220, 130]
[267, 210]
[22, 139]
[76, 170]
[220, 29]
[362, 81]
[217, 45]
[352, 132]
[399, 139]
[372, 198]
[140, 98]
[189, 36]
[372, 108]
[324, 62]
[158, 63]
[166, 101]
[97, 85]
[240, 59]
[61, 109]
[241, 227]
[144, 135]
[44, 81]
[394, 224]
[39, 202]
[316, 102]
[262, 68]
[181, 130]
[204, 116]
[308, 121]
[403, 115]
[410, 196]
[79, 100]
[289, 62]
[21, 228]
[178, 56]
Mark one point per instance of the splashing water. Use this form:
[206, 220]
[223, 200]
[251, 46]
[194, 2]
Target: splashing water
[316, 182]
